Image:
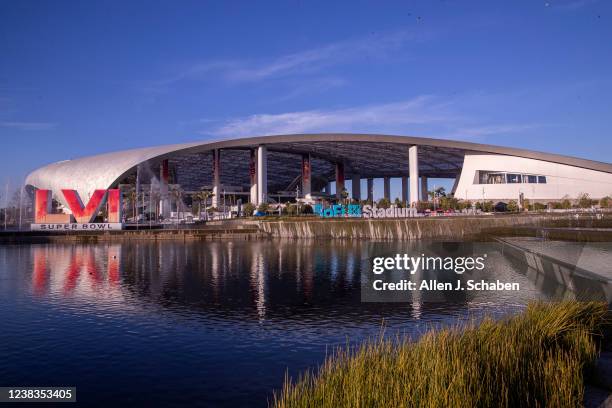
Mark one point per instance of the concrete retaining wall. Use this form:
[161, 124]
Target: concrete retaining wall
[403, 229]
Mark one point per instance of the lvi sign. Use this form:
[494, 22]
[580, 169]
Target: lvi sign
[82, 216]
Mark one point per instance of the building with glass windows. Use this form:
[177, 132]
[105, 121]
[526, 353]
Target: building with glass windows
[309, 166]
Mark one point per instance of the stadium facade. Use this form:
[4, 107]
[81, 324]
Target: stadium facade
[268, 168]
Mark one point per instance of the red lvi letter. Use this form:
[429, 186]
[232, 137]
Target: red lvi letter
[84, 214]
[114, 205]
[42, 209]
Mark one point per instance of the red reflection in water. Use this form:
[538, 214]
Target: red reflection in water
[40, 274]
[113, 266]
[82, 263]
[72, 273]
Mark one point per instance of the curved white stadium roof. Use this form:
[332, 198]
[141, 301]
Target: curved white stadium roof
[373, 155]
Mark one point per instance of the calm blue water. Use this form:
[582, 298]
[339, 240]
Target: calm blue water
[201, 324]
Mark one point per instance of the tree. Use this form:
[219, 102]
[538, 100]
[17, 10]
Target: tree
[584, 201]
[248, 209]
[512, 206]
[423, 206]
[344, 194]
[398, 203]
[605, 202]
[437, 193]
[566, 204]
[384, 203]
[307, 209]
[132, 197]
[155, 197]
[462, 205]
[177, 194]
[539, 206]
[291, 209]
[202, 196]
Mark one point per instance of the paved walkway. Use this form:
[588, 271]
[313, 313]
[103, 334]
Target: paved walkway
[594, 257]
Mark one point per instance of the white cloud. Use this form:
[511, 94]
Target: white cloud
[317, 58]
[417, 111]
[423, 115]
[28, 125]
[310, 86]
[569, 5]
[297, 63]
[488, 130]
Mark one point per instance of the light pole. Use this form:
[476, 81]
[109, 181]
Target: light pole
[6, 204]
[20, 204]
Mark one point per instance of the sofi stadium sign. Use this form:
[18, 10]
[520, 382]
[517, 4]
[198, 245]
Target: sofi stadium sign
[82, 217]
[366, 211]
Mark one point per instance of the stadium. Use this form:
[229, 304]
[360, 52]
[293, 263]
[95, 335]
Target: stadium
[314, 167]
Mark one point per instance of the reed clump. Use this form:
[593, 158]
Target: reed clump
[538, 358]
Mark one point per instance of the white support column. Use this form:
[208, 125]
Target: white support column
[371, 190]
[306, 177]
[262, 175]
[339, 180]
[356, 186]
[404, 190]
[216, 168]
[253, 176]
[413, 165]
[164, 178]
[387, 188]
[424, 195]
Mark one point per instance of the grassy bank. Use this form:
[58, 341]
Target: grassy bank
[536, 359]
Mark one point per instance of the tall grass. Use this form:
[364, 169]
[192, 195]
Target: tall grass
[535, 359]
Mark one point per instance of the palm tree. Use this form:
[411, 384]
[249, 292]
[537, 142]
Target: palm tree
[133, 200]
[344, 195]
[200, 196]
[155, 197]
[177, 194]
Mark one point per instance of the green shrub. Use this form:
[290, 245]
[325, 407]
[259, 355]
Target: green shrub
[538, 206]
[512, 206]
[462, 205]
[565, 203]
[384, 203]
[535, 359]
[584, 201]
[423, 206]
[248, 209]
[290, 209]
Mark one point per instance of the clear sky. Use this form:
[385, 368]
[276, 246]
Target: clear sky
[80, 78]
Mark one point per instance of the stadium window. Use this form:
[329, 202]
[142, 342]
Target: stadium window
[487, 177]
[542, 179]
[496, 178]
[513, 178]
[530, 179]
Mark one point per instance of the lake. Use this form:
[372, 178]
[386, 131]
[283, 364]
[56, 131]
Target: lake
[209, 323]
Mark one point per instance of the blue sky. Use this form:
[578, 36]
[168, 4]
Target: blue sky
[80, 78]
